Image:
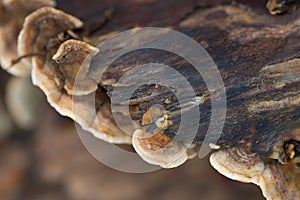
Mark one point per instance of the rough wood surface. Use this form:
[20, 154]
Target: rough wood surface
[258, 58]
[255, 52]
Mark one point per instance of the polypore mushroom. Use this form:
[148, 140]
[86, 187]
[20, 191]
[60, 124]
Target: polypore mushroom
[70, 52]
[275, 180]
[159, 149]
[40, 32]
[45, 38]
[43, 34]
[73, 58]
[12, 15]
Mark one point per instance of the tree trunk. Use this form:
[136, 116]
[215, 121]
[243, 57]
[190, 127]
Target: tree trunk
[256, 54]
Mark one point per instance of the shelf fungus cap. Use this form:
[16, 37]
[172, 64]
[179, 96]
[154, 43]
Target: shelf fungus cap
[159, 149]
[274, 179]
[12, 15]
[76, 80]
[62, 76]
[39, 28]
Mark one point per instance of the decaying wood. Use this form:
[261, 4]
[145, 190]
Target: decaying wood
[257, 55]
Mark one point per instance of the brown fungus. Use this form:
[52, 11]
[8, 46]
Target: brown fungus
[12, 15]
[41, 30]
[73, 58]
[276, 181]
[63, 62]
[67, 56]
[158, 149]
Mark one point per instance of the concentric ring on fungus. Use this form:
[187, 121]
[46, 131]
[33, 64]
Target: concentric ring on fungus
[54, 71]
[73, 60]
[276, 181]
[45, 33]
[60, 67]
[159, 149]
[12, 15]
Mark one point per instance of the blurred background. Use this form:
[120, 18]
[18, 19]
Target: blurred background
[41, 156]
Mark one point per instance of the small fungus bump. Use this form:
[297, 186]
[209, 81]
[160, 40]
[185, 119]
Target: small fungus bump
[158, 149]
[73, 58]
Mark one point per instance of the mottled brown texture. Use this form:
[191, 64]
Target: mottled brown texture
[40, 28]
[73, 58]
[248, 46]
[246, 53]
[282, 6]
[275, 180]
[12, 15]
[257, 55]
[158, 149]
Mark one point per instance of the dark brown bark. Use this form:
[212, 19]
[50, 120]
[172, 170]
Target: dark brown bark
[242, 39]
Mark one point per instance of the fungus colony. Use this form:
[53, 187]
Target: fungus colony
[41, 40]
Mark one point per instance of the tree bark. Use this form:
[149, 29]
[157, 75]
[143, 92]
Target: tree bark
[256, 54]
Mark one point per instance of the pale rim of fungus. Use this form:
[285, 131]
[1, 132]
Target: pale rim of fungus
[61, 101]
[100, 125]
[242, 166]
[81, 84]
[159, 149]
[16, 11]
[25, 41]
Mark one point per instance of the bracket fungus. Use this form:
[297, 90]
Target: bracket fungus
[260, 140]
[40, 33]
[158, 149]
[73, 60]
[275, 180]
[12, 15]
[46, 32]
[67, 56]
